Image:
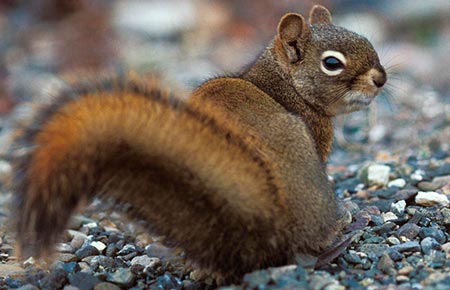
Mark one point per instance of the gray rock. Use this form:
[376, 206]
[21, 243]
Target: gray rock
[28, 287]
[146, 261]
[87, 251]
[83, 280]
[104, 261]
[386, 264]
[395, 255]
[408, 230]
[407, 247]
[437, 234]
[122, 276]
[375, 249]
[106, 286]
[429, 244]
[378, 175]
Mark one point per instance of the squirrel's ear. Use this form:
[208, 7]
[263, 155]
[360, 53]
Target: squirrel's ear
[319, 15]
[291, 30]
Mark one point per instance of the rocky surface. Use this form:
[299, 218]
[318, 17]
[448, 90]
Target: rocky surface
[390, 165]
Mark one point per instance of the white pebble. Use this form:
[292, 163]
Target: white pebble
[398, 207]
[431, 198]
[378, 174]
[99, 245]
[418, 175]
[399, 182]
[389, 216]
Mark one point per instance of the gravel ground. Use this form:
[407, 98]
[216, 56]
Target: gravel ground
[390, 165]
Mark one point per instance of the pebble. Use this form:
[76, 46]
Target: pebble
[399, 183]
[146, 261]
[98, 245]
[106, 286]
[386, 265]
[412, 246]
[437, 234]
[408, 230]
[87, 251]
[436, 183]
[431, 198]
[64, 248]
[399, 207]
[389, 216]
[83, 281]
[121, 276]
[28, 287]
[127, 249]
[405, 270]
[428, 244]
[65, 257]
[104, 261]
[392, 240]
[376, 249]
[378, 175]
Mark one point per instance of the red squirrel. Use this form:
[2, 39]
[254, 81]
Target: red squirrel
[235, 175]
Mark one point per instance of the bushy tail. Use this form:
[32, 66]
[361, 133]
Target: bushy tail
[198, 182]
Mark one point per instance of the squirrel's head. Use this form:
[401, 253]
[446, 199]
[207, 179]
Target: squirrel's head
[333, 69]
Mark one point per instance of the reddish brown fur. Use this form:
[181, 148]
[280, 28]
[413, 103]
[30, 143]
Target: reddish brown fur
[235, 176]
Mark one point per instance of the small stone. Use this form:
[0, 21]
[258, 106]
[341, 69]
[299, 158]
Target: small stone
[386, 265]
[405, 270]
[122, 276]
[71, 267]
[395, 255]
[402, 278]
[83, 280]
[352, 257]
[73, 233]
[104, 261]
[71, 287]
[29, 262]
[407, 247]
[399, 207]
[389, 216]
[87, 251]
[375, 249]
[436, 183]
[446, 247]
[405, 194]
[378, 175]
[384, 229]
[408, 230]
[417, 175]
[168, 281]
[127, 249]
[437, 234]
[146, 261]
[64, 248]
[431, 198]
[106, 286]
[429, 244]
[445, 212]
[28, 287]
[392, 240]
[77, 242]
[65, 258]
[399, 182]
[98, 245]
[111, 250]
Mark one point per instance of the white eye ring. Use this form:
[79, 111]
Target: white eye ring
[337, 56]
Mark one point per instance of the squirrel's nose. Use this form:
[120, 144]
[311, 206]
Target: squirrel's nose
[379, 78]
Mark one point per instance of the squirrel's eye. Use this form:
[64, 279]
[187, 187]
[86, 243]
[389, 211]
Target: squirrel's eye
[332, 62]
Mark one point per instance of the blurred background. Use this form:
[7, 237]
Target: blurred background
[189, 41]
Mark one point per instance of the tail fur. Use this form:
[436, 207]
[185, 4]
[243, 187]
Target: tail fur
[195, 179]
